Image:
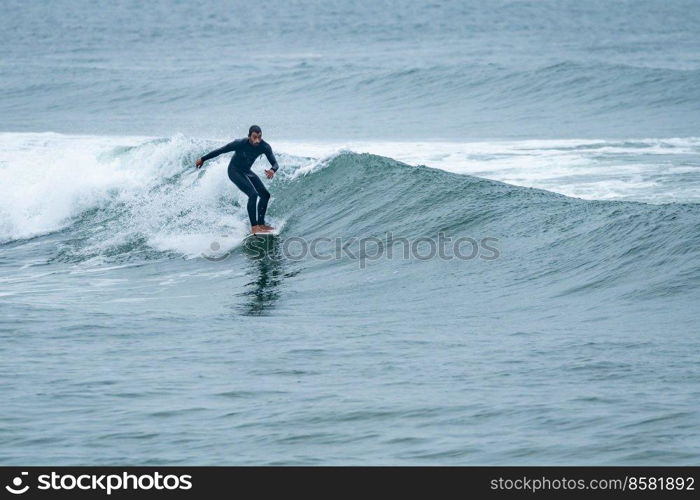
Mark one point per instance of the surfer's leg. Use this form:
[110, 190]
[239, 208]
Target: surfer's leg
[264, 195]
[243, 183]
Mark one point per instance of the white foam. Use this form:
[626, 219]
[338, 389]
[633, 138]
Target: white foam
[47, 179]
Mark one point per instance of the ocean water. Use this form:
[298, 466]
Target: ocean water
[534, 168]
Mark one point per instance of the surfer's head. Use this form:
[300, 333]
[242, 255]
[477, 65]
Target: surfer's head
[254, 135]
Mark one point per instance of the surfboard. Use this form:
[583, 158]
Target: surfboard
[261, 244]
[267, 235]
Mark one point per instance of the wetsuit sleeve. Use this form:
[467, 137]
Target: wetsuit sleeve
[231, 146]
[271, 158]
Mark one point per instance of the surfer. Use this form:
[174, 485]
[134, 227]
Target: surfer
[246, 151]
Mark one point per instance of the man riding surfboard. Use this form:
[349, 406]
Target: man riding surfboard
[246, 151]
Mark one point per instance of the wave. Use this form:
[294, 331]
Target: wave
[573, 244]
[99, 200]
[653, 170]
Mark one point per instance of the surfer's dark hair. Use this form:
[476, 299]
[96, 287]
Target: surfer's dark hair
[254, 128]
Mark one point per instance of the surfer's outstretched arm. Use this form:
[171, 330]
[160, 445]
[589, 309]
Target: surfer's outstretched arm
[273, 162]
[271, 158]
[231, 146]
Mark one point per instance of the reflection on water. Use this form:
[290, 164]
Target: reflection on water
[266, 268]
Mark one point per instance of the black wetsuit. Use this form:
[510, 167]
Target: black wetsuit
[240, 174]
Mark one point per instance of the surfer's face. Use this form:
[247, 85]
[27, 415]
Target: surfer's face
[255, 138]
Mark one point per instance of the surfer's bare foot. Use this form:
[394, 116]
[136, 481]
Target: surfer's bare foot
[266, 227]
[260, 229]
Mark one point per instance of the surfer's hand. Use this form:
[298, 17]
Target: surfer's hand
[270, 173]
[199, 162]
